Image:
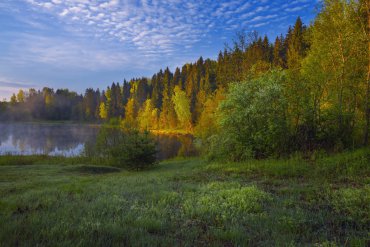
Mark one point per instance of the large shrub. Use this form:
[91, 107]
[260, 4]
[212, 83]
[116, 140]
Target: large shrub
[252, 119]
[123, 146]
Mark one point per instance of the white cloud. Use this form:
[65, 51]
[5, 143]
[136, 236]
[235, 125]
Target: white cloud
[295, 9]
[47, 5]
[162, 28]
[125, 36]
[109, 4]
[64, 12]
[64, 53]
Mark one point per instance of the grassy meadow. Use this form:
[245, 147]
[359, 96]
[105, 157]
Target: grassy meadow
[186, 202]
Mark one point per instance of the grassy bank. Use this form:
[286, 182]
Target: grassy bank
[24, 160]
[61, 202]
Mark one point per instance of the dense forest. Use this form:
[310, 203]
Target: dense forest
[305, 90]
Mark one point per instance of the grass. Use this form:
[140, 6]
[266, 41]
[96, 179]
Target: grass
[187, 202]
[23, 160]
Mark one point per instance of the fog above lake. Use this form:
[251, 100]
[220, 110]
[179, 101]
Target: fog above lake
[69, 140]
[50, 139]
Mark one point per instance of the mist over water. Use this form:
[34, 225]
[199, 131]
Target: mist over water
[69, 140]
[50, 139]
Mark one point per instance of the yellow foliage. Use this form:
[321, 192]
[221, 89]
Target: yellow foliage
[103, 113]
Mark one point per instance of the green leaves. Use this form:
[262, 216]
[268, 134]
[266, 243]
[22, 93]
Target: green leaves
[182, 107]
[252, 119]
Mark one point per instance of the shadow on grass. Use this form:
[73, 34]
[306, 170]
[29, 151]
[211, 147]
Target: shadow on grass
[93, 170]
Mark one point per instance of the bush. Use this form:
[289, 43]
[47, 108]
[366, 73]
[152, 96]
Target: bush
[123, 147]
[253, 120]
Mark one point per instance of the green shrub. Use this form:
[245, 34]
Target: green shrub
[253, 120]
[123, 147]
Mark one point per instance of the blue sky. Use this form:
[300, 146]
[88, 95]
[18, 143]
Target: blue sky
[78, 44]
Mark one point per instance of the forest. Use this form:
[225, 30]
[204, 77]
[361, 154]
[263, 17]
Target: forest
[305, 90]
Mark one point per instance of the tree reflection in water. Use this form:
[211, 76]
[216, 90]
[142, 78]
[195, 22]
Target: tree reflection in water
[69, 139]
[170, 146]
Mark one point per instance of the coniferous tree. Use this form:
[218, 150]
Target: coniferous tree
[278, 58]
[296, 45]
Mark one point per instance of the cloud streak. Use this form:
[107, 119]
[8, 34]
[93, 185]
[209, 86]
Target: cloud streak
[8, 87]
[15, 84]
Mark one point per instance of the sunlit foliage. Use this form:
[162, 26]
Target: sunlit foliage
[182, 107]
[325, 89]
[252, 119]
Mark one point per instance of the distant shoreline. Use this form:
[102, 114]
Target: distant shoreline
[50, 122]
[98, 124]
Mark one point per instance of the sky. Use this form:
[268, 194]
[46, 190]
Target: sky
[79, 44]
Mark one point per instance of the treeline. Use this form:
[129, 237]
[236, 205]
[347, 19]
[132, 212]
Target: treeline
[305, 90]
[313, 97]
[45, 104]
[174, 100]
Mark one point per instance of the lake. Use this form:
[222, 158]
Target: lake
[69, 140]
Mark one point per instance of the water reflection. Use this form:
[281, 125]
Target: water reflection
[170, 146]
[69, 140]
[50, 139]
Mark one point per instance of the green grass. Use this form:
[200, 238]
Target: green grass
[22, 160]
[187, 202]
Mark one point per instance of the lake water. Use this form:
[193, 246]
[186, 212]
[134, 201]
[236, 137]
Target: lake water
[69, 140]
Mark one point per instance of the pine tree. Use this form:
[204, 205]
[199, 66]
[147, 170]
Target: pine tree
[177, 77]
[89, 104]
[296, 46]
[278, 59]
[266, 50]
